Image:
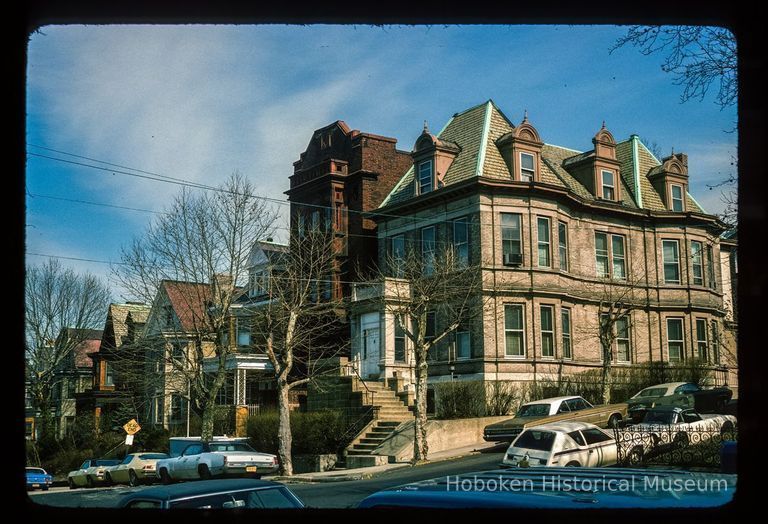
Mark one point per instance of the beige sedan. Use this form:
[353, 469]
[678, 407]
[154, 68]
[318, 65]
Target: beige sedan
[134, 469]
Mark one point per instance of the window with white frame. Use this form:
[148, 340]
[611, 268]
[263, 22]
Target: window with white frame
[610, 258]
[562, 243]
[547, 332]
[623, 346]
[511, 243]
[399, 342]
[243, 332]
[675, 339]
[428, 249]
[671, 254]
[542, 229]
[461, 241]
[514, 330]
[677, 198]
[463, 348]
[178, 351]
[109, 374]
[702, 344]
[609, 184]
[398, 254]
[527, 167]
[711, 267]
[426, 184]
[565, 321]
[178, 412]
[697, 263]
[715, 342]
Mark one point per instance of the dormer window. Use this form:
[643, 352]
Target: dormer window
[527, 167]
[609, 184]
[426, 183]
[677, 198]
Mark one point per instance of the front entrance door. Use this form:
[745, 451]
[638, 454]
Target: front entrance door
[369, 330]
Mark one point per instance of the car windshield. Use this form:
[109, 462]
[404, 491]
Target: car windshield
[152, 456]
[651, 392]
[534, 410]
[36, 471]
[272, 498]
[659, 417]
[107, 462]
[230, 446]
[535, 439]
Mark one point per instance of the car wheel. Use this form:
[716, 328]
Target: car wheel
[89, 481]
[204, 472]
[573, 464]
[635, 456]
[165, 478]
[614, 421]
[71, 483]
[45, 488]
[133, 480]
[108, 479]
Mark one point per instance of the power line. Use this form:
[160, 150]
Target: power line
[102, 204]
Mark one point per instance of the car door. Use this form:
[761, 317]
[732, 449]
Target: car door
[188, 461]
[601, 447]
[578, 407]
[80, 475]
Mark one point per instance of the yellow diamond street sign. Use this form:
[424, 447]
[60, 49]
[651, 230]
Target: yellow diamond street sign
[132, 427]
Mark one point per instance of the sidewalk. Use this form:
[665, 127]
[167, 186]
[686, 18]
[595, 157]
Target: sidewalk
[365, 473]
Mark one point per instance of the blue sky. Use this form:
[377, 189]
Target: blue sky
[200, 102]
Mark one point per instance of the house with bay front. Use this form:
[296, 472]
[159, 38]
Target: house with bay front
[555, 232]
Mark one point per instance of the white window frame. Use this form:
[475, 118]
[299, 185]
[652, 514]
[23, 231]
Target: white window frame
[507, 244]
[461, 246]
[547, 243]
[674, 200]
[611, 256]
[675, 262]
[428, 253]
[567, 340]
[562, 244]
[697, 263]
[398, 253]
[547, 333]
[520, 330]
[680, 341]
[702, 343]
[612, 185]
[397, 337]
[430, 185]
[468, 335]
[626, 340]
[527, 175]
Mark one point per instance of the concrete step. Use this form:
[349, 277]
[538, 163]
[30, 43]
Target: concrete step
[365, 447]
[372, 440]
[387, 423]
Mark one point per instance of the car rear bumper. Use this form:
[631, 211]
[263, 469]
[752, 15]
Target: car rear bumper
[249, 469]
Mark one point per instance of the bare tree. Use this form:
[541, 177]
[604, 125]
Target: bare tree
[61, 307]
[418, 291]
[199, 250]
[300, 323]
[697, 56]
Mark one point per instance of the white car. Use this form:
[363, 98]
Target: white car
[220, 457]
[562, 444]
[91, 473]
[134, 469]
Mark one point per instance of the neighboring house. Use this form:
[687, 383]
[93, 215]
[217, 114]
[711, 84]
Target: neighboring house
[73, 375]
[109, 389]
[729, 268]
[549, 226]
[341, 174]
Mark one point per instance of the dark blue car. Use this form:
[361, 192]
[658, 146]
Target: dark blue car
[560, 488]
[38, 478]
[215, 494]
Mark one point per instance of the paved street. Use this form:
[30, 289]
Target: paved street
[345, 494]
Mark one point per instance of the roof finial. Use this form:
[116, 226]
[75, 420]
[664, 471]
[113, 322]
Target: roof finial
[673, 151]
[426, 129]
[525, 115]
[603, 124]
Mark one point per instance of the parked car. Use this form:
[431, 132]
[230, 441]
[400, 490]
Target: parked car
[674, 425]
[91, 473]
[215, 494]
[682, 394]
[562, 444]
[562, 488]
[38, 478]
[219, 457]
[134, 469]
[556, 409]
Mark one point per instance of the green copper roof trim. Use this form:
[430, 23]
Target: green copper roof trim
[636, 170]
[405, 175]
[484, 139]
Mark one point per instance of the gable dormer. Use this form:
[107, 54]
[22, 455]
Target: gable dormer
[431, 159]
[606, 167]
[670, 180]
[521, 150]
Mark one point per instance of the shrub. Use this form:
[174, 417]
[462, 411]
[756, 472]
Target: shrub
[460, 399]
[314, 432]
[501, 397]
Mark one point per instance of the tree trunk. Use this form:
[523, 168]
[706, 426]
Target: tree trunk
[284, 429]
[206, 429]
[420, 446]
[606, 377]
